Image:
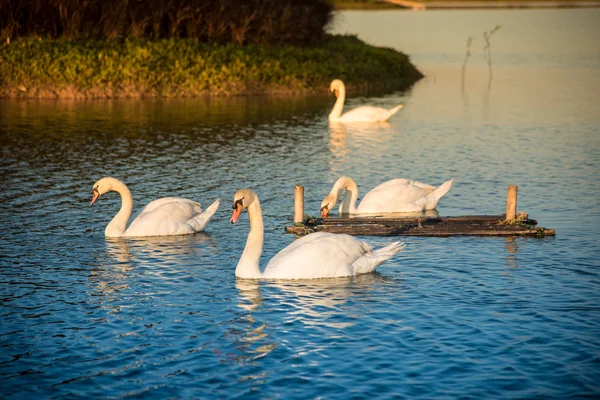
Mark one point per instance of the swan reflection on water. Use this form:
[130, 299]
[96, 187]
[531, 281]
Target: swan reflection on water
[168, 249]
[343, 137]
[320, 302]
[252, 340]
[124, 255]
[311, 301]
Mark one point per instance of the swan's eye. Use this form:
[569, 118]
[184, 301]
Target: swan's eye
[238, 202]
[95, 190]
[325, 207]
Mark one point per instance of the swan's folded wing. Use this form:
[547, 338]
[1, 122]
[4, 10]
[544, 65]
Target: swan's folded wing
[391, 196]
[317, 255]
[167, 200]
[366, 114]
[167, 216]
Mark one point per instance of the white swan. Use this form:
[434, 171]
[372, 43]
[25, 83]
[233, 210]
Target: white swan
[359, 114]
[162, 217]
[317, 255]
[395, 196]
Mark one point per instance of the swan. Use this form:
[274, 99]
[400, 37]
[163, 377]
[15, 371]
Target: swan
[163, 217]
[317, 255]
[395, 196]
[359, 114]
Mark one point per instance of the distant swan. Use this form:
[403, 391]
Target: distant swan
[317, 255]
[359, 114]
[162, 217]
[395, 196]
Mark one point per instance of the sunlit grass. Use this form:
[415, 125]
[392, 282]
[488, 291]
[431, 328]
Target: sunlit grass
[35, 68]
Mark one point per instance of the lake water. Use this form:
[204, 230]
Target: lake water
[468, 317]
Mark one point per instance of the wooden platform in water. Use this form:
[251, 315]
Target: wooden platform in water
[472, 225]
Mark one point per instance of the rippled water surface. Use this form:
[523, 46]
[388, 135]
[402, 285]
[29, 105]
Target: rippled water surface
[455, 317]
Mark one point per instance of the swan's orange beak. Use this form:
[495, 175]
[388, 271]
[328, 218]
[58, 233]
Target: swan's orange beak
[236, 213]
[95, 195]
[324, 212]
[336, 92]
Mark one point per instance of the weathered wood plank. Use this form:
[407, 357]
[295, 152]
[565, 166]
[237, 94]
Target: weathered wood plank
[470, 225]
[415, 219]
[427, 224]
[379, 230]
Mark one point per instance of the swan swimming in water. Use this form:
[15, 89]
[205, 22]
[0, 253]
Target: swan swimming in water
[162, 217]
[394, 196]
[317, 255]
[359, 114]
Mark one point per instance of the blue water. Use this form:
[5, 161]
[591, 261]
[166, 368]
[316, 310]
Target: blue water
[463, 317]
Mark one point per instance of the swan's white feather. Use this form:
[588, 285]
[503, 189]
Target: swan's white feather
[366, 114]
[169, 216]
[397, 195]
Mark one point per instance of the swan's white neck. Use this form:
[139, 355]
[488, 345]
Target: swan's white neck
[338, 107]
[348, 204]
[117, 226]
[248, 266]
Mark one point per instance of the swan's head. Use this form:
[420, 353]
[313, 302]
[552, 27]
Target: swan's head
[337, 192]
[327, 204]
[242, 199]
[102, 186]
[335, 87]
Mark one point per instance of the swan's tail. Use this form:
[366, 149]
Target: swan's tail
[390, 250]
[395, 109]
[430, 201]
[200, 222]
[426, 187]
[369, 262]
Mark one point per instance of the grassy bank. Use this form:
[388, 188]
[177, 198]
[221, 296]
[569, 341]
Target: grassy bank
[33, 68]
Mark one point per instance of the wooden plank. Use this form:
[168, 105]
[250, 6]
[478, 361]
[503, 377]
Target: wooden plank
[382, 230]
[416, 220]
[428, 223]
[466, 225]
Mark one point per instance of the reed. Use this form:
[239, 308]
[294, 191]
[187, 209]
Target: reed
[487, 48]
[221, 21]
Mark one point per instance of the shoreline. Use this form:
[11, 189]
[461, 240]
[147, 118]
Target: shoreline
[170, 68]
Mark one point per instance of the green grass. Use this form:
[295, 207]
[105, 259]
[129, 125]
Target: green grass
[34, 68]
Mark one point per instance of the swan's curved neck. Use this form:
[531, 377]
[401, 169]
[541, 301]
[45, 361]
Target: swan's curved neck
[117, 226]
[248, 266]
[348, 204]
[338, 107]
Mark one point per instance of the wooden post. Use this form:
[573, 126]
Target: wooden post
[511, 203]
[298, 204]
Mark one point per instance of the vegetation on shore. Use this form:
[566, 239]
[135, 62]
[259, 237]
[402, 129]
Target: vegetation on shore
[40, 68]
